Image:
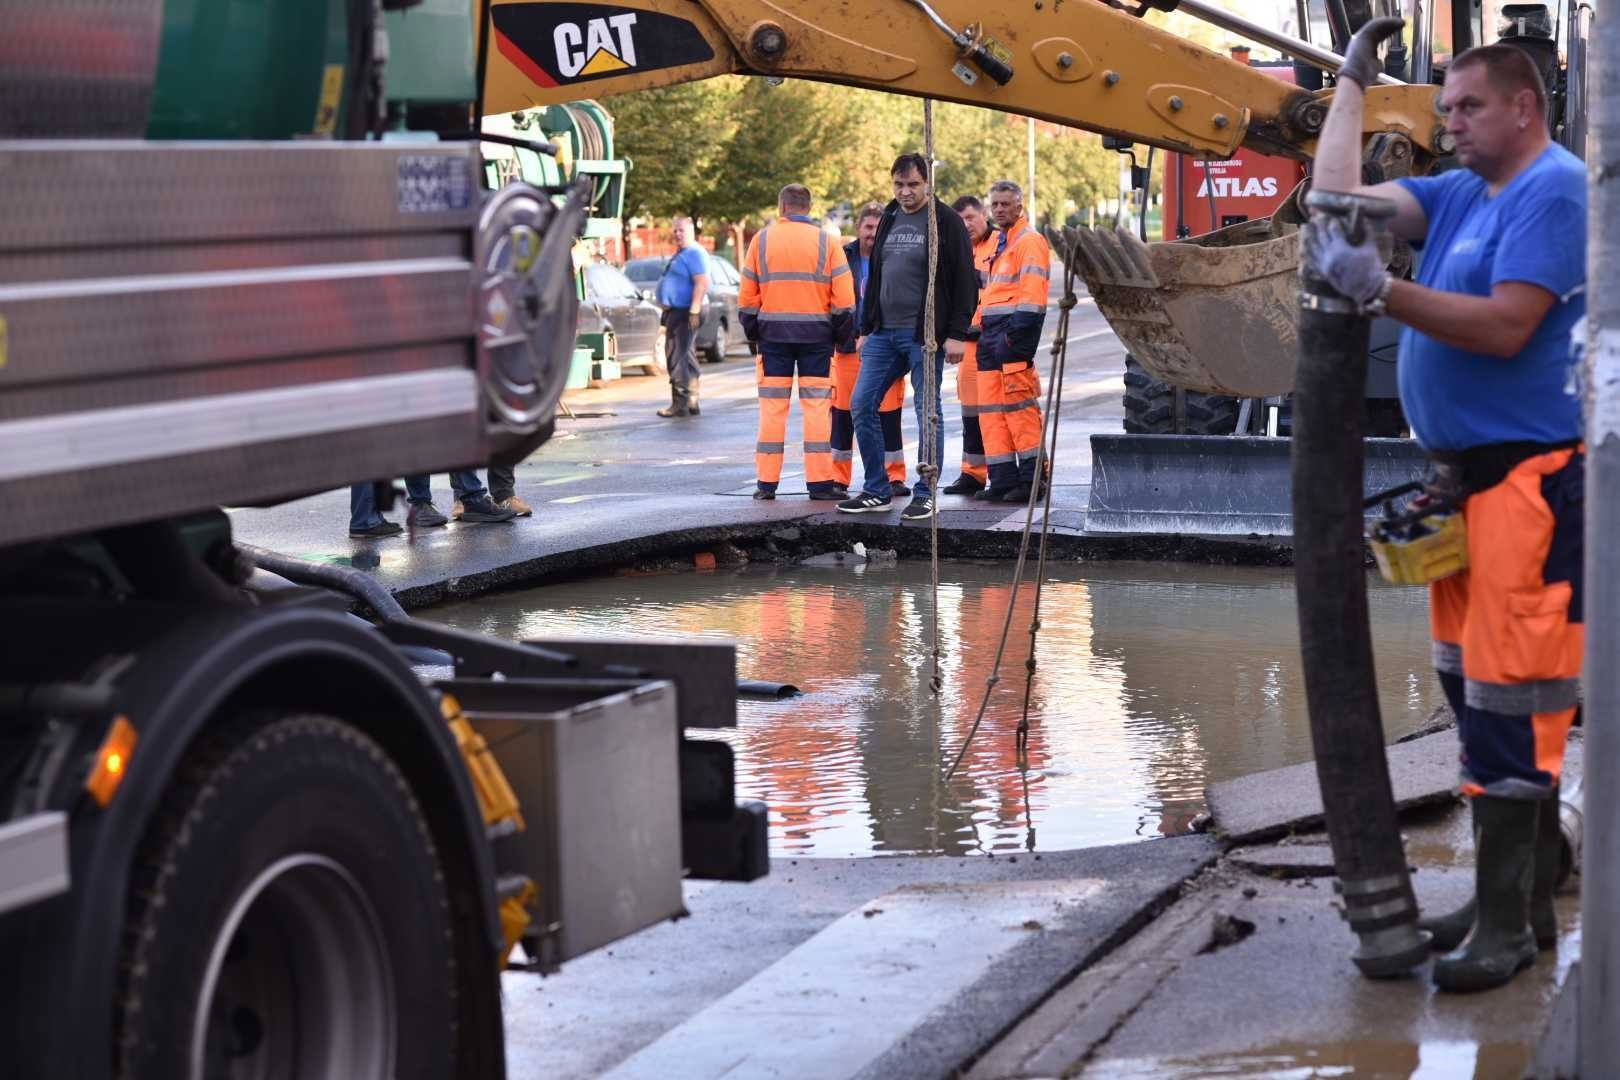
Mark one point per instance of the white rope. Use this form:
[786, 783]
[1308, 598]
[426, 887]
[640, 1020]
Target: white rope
[928, 468]
[1045, 454]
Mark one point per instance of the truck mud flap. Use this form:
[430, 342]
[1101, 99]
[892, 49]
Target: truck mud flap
[1210, 485]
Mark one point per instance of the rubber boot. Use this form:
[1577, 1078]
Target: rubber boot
[691, 398]
[677, 402]
[1501, 943]
[1447, 931]
[1549, 852]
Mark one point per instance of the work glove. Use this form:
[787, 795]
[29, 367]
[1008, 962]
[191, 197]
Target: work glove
[694, 319]
[1355, 268]
[1362, 64]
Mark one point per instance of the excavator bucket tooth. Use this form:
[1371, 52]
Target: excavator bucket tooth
[1213, 313]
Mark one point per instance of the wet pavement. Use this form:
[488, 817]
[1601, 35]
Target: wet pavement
[1154, 682]
[617, 483]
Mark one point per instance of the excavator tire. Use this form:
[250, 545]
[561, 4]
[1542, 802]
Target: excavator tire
[1150, 407]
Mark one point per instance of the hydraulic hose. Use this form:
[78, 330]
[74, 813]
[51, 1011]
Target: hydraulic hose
[1347, 732]
[343, 579]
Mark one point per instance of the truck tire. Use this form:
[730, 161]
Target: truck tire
[288, 916]
[1150, 407]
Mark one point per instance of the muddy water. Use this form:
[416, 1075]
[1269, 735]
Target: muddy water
[1153, 680]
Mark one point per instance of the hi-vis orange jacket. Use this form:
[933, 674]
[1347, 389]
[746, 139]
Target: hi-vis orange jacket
[1012, 305]
[796, 287]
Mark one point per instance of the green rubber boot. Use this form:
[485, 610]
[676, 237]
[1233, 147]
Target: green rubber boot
[1549, 853]
[1501, 943]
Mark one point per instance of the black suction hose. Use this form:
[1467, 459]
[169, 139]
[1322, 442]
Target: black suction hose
[343, 579]
[1347, 732]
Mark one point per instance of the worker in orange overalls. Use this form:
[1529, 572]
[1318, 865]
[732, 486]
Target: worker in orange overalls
[796, 302]
[1012, 310]
[975, 475]
[847, 368]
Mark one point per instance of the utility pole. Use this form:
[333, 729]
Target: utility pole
[1030, 203]
[1600, 879]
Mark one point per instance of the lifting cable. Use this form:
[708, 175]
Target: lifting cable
[1045, 456]
[931, 434]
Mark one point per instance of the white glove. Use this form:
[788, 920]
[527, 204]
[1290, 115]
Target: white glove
[1355, 270]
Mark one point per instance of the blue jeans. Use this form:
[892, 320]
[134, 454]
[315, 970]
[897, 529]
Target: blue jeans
[885, 357]
[363, 512]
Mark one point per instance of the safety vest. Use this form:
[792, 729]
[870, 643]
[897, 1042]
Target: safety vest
[796, 286]
[1018, 275]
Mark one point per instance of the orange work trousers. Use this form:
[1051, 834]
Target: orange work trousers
[774, 369]
[1010, 420]
[846, 369]
[967, 395]
[1508, 630]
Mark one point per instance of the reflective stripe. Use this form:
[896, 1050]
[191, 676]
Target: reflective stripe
[894, 457]
[749, 274]
[764, 238]
[821, 256]
[793, 275]
[843, 455]
[815, 391]
[839, 271]
[1003, 279]
[1038, 308]
[1523, 699]
[1447, 657]
[1001, 459]
[999, 309]
[1035, 270]
[768, 448]
[792, 316]
[1010, 406]
[748, 311]
[776, 391]
[973, 410]
[842, 311]
[818, 447]
[974, 459]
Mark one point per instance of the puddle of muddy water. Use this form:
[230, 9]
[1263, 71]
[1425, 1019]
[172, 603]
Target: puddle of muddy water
[1153, 681]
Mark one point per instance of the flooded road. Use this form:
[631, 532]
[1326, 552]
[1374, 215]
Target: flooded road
[1153, 680]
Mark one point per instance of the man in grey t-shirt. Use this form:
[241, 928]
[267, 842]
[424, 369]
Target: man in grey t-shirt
[892, 317]
[905, 269]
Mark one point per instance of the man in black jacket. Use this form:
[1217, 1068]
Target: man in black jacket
[892, 328]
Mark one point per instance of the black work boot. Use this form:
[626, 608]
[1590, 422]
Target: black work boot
[677, 402]
[1501, 943]
[1549, 853]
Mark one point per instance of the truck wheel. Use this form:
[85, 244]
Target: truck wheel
[1150, 407]
[288, 916]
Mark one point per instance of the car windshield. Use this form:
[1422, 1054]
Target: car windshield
[644, 272]
[724, 273]
[605, 282]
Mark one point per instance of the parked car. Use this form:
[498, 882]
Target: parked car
[613, 302]
[719, 332]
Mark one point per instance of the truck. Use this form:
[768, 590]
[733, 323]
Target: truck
[246, 255]
[247, 252]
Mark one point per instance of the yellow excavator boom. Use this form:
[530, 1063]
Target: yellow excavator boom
[1213, 314]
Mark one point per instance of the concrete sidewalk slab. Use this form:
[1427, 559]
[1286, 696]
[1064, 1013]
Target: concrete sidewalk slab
[1266, 805]
[604, 1008]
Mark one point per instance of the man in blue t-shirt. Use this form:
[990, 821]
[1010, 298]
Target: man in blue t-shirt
[682, 290]
[1485, 379]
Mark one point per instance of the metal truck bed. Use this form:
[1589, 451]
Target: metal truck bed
[186, 325]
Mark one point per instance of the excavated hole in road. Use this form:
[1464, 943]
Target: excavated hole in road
[1154, 680]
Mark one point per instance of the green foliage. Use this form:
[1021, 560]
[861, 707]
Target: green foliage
[674, 137]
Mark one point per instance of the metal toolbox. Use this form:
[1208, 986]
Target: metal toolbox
[594, 765]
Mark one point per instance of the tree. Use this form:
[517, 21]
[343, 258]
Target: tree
[673, 137]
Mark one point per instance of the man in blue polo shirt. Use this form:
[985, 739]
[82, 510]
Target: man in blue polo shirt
[1485, 379]
[681, 293]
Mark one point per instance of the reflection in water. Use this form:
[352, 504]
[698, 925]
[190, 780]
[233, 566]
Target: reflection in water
[1152, 682]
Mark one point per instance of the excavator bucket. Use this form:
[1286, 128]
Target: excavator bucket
[1213, 313]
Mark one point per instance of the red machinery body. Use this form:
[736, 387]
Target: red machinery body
[1246, 186]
